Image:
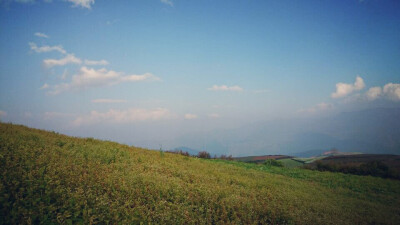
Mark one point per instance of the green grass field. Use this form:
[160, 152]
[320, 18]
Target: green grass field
[290, 163]
[48, 178]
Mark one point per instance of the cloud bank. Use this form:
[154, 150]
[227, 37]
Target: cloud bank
[389, 91]
[392, 91]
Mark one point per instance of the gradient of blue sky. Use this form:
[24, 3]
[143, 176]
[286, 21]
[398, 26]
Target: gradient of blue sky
[285, 57]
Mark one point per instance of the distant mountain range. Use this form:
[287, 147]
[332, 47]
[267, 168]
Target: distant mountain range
[367, 131]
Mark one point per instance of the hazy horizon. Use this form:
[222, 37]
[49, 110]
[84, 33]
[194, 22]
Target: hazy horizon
[229, 77]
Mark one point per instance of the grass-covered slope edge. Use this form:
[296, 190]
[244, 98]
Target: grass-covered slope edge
[52, 178]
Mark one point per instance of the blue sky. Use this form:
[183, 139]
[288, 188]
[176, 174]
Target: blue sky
[174, 66]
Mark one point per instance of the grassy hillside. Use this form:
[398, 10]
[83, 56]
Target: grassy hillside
[261, 158]
[51, 178]
[290, 163]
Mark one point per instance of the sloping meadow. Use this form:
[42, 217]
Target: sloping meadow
[51, 178]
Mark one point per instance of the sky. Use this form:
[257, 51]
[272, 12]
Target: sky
[147, 72]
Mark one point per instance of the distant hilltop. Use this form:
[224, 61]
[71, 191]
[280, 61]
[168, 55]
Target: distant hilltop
[334, 152]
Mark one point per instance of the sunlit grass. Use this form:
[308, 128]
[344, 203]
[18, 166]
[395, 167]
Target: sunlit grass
[52, 178]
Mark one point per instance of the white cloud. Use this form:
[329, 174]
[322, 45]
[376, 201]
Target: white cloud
[392, 91]
[167, 2]
[96, 63]
[317, 108]
[389, 91]
[89, 77]
[68, 59]
[3, 113]
[38, 34]
[214, 115]
[225, 88]
[189, 116]
[76, 3]
[343, 89]
[82, 3]
[106, 100]
[373, 93]
[135, 78]
[123, 116]
[45, 86]
[46, 48]
[359, 84]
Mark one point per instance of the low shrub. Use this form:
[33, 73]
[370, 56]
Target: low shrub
[204, 155]
[273, 162]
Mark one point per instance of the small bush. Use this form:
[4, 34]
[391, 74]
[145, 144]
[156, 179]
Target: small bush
[204, 155]
[273, 162]
[224, 157]
[180, 152]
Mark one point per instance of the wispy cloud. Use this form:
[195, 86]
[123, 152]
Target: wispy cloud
[190, 116]
[96, 63]
[317, 108]
[25, 1]
[82, 3]
[68, 59]
[167, 2]
[225, 88]
[47, 48]
[42, 35]
[123, 116]
[89, 77]
[344, 89]
[107, 100]
[45, 86]
[76, 3]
